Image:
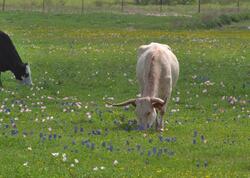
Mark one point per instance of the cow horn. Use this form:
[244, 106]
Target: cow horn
[125, 103]
[157, 100]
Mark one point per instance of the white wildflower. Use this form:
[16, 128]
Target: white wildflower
[55, 154]
[115, 162]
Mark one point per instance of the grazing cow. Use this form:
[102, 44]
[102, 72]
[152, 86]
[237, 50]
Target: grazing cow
[10, 60]
[157, 73]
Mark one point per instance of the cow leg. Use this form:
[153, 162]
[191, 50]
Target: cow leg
[1, 84]
[159, 119]
[162, 110]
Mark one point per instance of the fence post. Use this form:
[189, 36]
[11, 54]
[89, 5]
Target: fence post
[3, 5]
[238, 6]
[122, 4]
[43, 6]
[199, 6]
[82, 7]
[161, 1]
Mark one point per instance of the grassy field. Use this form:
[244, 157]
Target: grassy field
[61, 128]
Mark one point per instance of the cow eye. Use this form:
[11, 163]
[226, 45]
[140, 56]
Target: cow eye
[26, 75]
[148, 113]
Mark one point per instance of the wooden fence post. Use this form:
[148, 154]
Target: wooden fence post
[238, 6]
[3, 5]
[199, 6]
[82, 7]
[161, 1]
[122, 5]
[43, 6]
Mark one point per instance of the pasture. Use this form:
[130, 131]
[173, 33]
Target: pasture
[61, 127]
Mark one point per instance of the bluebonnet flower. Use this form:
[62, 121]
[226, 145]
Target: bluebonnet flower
[104, 144]
[14, 132]
[205, 164]
[202, 138]
[44, 138]
[7, 110]
[154, 150]
[197, 164]
[141, 127]
[174, 139]
[81, 129]
[149, 153]
[195, 133]
[194, 141]
[75, 129]
[126, 128]
[138, 147]
[168, 139]
[98, 132]
[83, 142]
[12, 121]
[110, 148]
[88, 145]
[41, 135]
[116, 122]
[160, 138]
[159, 152]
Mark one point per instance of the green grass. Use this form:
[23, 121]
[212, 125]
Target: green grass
[85, 58]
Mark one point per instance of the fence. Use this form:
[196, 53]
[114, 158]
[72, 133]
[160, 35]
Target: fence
[156, 7]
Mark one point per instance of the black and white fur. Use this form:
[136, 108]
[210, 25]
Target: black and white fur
[11, 61]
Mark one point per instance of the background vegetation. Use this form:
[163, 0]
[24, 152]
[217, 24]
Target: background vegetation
[146, 7]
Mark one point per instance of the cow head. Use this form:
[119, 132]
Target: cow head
[24, 75]
[145, 109]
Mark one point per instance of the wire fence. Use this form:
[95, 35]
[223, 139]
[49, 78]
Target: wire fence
[156, 7]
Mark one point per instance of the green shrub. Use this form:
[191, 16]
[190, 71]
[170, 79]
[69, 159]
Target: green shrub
[146, 2]
[225, 19]
[211, 21]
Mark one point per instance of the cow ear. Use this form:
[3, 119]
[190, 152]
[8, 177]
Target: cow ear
[157, 105]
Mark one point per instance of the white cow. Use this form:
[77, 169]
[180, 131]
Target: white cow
[157, 73]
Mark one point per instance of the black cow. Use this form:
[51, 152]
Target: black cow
[10, 60]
